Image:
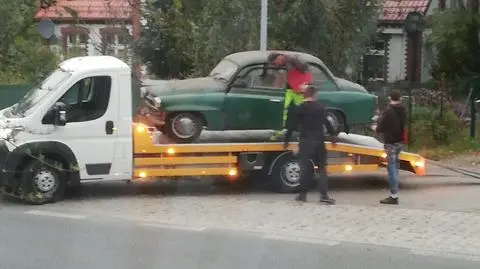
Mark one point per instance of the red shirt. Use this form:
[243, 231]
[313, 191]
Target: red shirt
[296, 78]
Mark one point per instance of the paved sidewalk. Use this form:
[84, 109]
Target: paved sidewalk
[421, 230]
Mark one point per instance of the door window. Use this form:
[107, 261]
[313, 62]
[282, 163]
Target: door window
[320, 80]
[87, 99]
[267, 78]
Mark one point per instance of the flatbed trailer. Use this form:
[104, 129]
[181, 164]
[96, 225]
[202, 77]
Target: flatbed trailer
[233, 160]
[80, 125]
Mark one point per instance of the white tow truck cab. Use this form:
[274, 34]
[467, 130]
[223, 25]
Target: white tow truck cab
[77, 125]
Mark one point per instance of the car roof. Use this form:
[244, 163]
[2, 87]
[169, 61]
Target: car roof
[259, 57]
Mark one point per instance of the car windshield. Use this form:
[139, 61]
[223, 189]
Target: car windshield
[38, 92]
[224, 70]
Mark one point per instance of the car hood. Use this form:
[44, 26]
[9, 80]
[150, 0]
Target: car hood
[184, 86]
[350, 86]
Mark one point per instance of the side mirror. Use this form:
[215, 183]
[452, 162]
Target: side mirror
[60, 114]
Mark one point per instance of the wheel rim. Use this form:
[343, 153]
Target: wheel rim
[184, 126]
[332, 118]
[45, 180]
[290, 174]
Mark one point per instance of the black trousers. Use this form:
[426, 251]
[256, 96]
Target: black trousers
[313, 151]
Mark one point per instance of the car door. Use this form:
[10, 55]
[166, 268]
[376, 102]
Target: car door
[90, 130]
[253, 102]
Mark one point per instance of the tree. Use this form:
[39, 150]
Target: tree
[189, 40]
[455, 35]
[24, 55]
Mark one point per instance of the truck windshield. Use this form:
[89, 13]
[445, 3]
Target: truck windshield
[38, 92]
[224, 70]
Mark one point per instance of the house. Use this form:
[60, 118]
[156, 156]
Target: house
[389, 59]
[93, 27]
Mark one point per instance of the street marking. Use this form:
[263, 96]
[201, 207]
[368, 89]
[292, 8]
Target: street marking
[172, 226]
[302, 239]
[446, 254]
[54, 214]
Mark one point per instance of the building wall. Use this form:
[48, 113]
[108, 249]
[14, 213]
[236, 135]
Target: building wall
[94, 40]
[396, 55]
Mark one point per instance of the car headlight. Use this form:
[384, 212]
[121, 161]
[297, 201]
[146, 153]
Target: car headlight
[5, 133]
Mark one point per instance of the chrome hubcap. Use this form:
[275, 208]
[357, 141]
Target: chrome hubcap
[45, 181]
[183, 126]
[291, 174]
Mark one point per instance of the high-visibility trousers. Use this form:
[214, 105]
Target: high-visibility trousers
[290, 96]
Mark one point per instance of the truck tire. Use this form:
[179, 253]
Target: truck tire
[184, 127]
[285, 174]
[43, 182]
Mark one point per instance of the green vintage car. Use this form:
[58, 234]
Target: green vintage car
[239, 94]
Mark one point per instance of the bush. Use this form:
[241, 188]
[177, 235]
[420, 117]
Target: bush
[432, 127]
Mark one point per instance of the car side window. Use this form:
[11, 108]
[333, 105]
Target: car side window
[267, 78]
[320, 80]
[87, 99]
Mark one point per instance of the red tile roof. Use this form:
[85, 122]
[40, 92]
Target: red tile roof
[395, 11]
[88, 10]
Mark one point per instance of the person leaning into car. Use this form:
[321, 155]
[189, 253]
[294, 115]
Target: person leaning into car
[296, 76]
[309, 118]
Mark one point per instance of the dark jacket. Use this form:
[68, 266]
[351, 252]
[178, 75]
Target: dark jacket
[308, 119]
[392, 124]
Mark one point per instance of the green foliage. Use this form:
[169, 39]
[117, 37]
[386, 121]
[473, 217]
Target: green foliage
[455, 35]
[189, 40]
[23, 54]
[432, 127]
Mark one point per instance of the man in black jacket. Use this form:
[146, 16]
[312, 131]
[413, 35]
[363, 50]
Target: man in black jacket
[309, 118]
[392, 125]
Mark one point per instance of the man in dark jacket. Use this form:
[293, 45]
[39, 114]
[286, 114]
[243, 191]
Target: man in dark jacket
[309, 118]
[392, 125]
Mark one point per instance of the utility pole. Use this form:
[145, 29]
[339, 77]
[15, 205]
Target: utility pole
[263, 25]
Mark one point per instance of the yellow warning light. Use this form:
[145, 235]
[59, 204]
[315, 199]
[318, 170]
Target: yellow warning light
[142, 174]
[384, 155]
[232, 172]
[140, 129]
[171, 151]
[348, 168]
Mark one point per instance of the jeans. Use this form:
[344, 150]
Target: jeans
[393, 164]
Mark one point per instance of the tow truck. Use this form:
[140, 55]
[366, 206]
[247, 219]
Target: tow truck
[80, 125]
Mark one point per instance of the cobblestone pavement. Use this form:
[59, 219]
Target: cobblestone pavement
[421, 230]
[441, 212]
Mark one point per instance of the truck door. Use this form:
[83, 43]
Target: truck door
[90, 132]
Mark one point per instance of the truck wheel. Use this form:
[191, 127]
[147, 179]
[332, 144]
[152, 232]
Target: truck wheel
[43, 182]
[337, 120]
[184, 127]
[285, 174]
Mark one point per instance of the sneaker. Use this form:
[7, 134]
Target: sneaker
[301, 197]
[327, 200]
[389, 201]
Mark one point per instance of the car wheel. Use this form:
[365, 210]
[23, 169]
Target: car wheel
[43, 182]
[184, 127]
[285, 174]
[337, 120]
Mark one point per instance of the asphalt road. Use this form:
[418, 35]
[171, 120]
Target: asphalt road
[39, 241]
